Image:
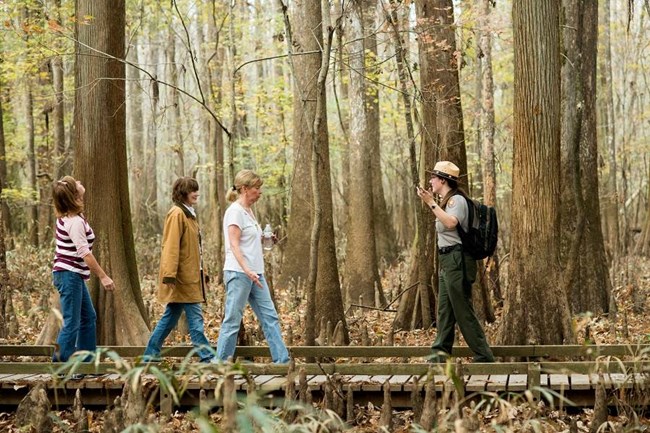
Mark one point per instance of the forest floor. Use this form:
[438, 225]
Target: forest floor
[630, 325]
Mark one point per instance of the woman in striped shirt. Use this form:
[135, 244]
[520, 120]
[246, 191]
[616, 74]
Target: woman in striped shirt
[73, 263]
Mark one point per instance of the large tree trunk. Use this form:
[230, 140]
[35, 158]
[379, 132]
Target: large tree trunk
[536, 308]
[101, 165]
[361, 271]
[307, 36]
[446, 88]
[417, 306]
[593, 291]
[487, 139]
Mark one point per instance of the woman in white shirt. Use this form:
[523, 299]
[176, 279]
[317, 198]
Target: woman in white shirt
[244, 271]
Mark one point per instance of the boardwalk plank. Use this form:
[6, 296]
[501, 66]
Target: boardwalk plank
[559, 382]
[278, 383]
[259, 381]
[477, 382]
[399, 381]
[517, 382]
[316, 382]
[12, 380]
[543, 380]
[622, 381]
[408, 386]
[497, 382]
[358, 381]
[375, 383]
[580, 381]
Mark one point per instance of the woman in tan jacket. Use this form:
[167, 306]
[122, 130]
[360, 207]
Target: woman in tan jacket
[181, 273]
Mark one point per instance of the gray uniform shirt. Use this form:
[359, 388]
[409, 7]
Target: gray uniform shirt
[456, 206]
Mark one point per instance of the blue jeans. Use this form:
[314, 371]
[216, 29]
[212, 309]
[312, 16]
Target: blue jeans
[239, 290]
[167, 323]
[79, 330]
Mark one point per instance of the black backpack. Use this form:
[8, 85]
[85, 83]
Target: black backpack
[480, 241]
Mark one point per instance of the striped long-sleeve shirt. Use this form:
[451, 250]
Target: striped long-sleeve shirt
[74, 240]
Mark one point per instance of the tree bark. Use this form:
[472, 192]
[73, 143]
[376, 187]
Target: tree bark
[643, 244]
[4, 208]
[585, 276]
[307, 35]
[487, 127]
[64, 162]
[32, 164]
[101, 166]
[149, 210]
[536, 309]
[215, 63]
[608, 122]
[417, 306]
[384, 232]
[361, 278]
[134, 135]
[446, 88]
[4, 274]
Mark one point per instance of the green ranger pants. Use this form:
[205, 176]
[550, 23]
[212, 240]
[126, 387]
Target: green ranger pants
[457, 273]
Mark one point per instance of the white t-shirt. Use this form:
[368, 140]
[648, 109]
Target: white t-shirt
[250, 242]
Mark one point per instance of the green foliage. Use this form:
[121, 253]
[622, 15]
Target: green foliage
[22, 196]
[174, 380]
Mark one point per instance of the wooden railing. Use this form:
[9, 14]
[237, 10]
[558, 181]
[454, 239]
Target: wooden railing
[531, 352]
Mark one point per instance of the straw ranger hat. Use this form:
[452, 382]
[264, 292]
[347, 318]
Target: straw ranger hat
[447, 170]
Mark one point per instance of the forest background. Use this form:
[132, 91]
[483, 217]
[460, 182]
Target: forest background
[341, 108]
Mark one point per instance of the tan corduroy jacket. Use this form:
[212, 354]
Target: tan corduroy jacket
[180, 261]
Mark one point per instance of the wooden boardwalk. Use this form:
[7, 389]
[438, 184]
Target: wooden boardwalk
[623, 370]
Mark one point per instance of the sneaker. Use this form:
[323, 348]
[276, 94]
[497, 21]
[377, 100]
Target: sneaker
[215, 360]
[150, 358]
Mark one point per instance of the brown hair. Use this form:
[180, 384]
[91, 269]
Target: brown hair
[65, 197]
[182, 187]
[455, 189]
[245, 178]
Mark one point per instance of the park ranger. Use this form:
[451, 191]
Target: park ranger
[457, 268]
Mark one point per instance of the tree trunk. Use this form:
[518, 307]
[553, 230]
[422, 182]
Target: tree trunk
[384, 231]
[216, 59]
[608, 122]
[101, 165]
[536, 309]
[643, 245]
[487, 140]
[175, 122]
[32, 163]
[308, 36]
[446, 88]
[4, 208]
[4, 274]
[417, 306]
[63, 160]
[361, 271]
[134, 135]
[585, 276]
